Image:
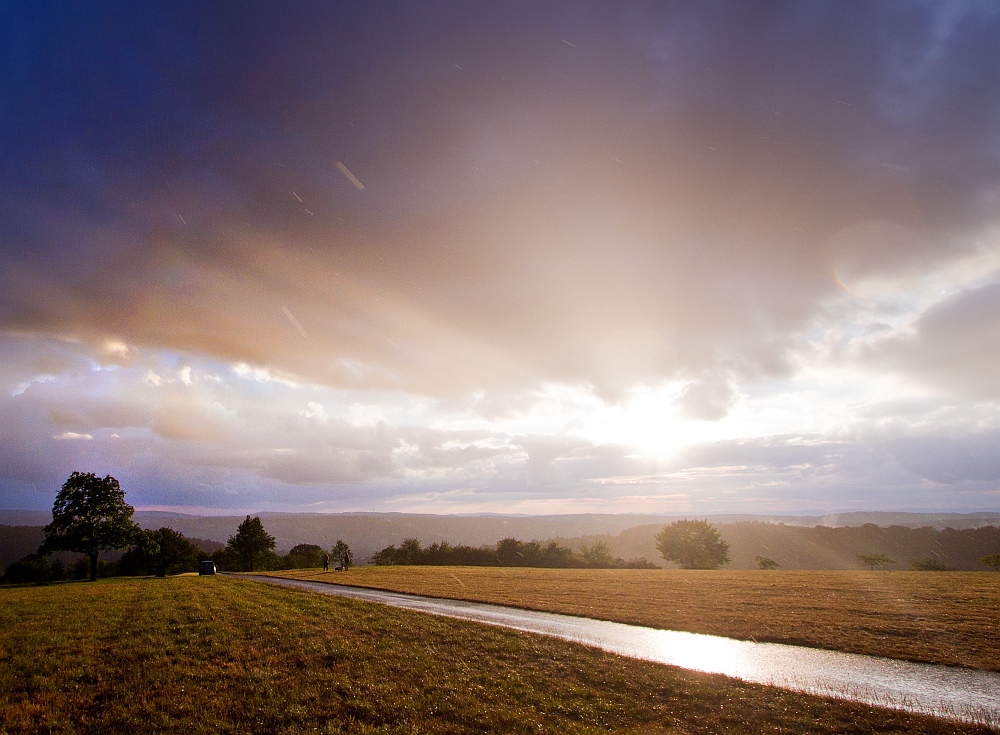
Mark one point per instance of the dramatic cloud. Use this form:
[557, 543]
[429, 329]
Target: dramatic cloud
[514, 256]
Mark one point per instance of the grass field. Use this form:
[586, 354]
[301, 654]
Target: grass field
[205, 655]
[937, 617]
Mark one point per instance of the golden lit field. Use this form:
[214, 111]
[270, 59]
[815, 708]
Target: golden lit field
[938, 617]
[214, 655]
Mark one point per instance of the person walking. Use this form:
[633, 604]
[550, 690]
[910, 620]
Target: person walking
[326, 562]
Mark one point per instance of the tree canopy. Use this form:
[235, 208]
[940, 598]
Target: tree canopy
[597, 556]
[692, 545]
[765, 563]
[250, 544]
[992, 560]
[90, 515]
[343, 555]
[304, 556]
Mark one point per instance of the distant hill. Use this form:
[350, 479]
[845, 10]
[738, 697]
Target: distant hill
[823, 547]
[18, 541]
[583, 522]
[629, 535]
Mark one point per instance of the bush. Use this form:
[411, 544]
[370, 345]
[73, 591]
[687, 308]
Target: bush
[930, 564]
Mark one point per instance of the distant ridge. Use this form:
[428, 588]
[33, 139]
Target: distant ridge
[369, 532]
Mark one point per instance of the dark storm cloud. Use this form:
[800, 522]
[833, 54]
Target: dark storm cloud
[539, 180]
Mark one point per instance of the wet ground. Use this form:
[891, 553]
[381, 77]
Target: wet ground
[944, 691]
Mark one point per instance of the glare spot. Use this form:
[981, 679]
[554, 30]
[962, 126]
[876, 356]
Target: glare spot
[259, 374]
[700, 652]
[116, 347]
[361, 415]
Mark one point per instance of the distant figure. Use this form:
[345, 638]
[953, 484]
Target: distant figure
[326, 562]
[345, 562]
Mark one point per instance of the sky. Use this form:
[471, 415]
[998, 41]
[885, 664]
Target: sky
[518, 257]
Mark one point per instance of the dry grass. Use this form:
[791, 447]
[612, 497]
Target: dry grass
[937, 617]
[222, 655]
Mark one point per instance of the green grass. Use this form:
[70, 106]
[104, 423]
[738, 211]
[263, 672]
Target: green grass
[205, 655]
[936, 617]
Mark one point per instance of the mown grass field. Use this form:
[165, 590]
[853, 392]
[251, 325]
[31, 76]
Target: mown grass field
[222, 655]
[937, 617]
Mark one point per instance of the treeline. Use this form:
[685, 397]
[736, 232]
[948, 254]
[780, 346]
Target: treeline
[165, 551]
[160, 552]
[508, 552]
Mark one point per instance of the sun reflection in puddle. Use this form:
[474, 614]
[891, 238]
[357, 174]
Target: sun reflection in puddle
[705, 653]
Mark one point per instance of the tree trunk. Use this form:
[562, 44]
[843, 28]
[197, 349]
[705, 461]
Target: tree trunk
[93, 566]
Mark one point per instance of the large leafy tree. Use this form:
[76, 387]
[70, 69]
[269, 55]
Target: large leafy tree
[692, 545]
[304, 556]
[250, 544]
[89, 516]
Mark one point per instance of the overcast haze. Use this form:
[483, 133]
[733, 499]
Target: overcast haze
[512, 257]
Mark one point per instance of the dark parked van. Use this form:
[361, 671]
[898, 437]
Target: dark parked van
[207, 567]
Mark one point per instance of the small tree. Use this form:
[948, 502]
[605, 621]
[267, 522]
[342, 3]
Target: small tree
[250, 544]
[875, 560]
[930, 564]
[341, 552]
[597, 556]
[993, 560]
[693, 545]
[764, 563]
[89, 516]
[386, 557]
